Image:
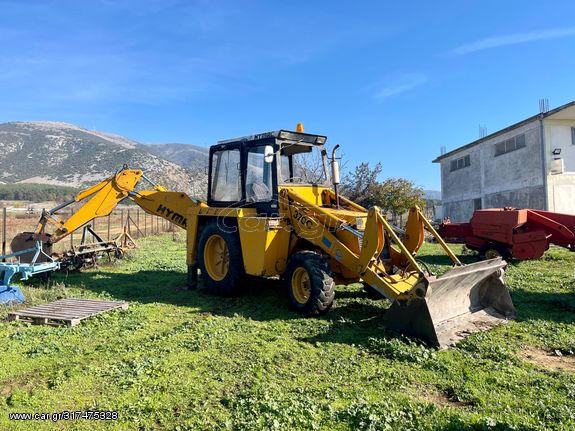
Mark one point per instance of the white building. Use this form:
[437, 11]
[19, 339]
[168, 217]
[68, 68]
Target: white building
[530, 164]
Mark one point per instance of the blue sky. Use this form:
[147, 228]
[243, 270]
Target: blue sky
[389, 81]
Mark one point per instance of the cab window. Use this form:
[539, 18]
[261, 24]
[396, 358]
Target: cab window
[284, 170]
[226, 176]
[258, 176]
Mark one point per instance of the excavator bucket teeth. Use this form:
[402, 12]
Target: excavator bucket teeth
[26, 240]
[464, 300]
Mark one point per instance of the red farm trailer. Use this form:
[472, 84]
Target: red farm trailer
[509, 232]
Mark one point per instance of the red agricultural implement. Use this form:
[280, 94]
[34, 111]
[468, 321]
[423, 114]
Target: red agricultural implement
[508, 232]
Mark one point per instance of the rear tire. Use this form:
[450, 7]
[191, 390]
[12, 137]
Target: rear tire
[309, 283]
[220, 260]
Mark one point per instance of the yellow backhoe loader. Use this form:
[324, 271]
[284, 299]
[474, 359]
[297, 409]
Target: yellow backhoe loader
[261, 219]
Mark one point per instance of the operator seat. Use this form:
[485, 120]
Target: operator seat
[260, 192]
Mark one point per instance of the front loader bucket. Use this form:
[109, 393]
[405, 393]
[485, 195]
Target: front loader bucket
[464, 300]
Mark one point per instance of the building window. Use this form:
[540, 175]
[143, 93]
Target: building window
[509, 145]
[460, 163]
[573, 135]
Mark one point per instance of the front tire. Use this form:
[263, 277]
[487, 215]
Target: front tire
[220, 260]
[309, 283]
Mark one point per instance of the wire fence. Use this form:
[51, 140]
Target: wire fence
[401, 219]
[134, 221]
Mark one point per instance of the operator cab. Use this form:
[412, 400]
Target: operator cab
[245, 172]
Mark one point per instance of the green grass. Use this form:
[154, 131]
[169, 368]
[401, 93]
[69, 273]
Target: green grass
[180, 359]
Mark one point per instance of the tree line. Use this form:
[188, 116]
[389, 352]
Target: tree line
[36, 192]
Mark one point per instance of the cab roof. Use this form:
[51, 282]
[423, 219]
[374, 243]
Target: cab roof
[283, 136]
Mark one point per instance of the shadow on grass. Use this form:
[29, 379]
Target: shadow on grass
[258, 299]
[354, 320]
[557, 306]
[354, 324]
[443, 259]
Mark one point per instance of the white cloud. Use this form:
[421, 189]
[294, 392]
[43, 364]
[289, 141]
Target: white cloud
[513, 39]
[399, 84]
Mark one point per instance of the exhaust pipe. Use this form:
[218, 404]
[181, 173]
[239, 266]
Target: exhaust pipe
[335, 174]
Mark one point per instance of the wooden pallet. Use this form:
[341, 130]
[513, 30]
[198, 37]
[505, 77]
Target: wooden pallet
[65, 312]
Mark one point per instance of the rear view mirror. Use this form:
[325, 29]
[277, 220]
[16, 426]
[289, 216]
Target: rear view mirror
[268, 154]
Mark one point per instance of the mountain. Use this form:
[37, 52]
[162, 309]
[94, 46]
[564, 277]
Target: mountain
[65, 154]
[189, 156]
[432, 194]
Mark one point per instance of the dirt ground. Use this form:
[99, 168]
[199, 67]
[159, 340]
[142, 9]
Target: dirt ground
[548, 360]
[444, 398]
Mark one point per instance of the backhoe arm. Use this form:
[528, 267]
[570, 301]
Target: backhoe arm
[172, 206]
[101, 199]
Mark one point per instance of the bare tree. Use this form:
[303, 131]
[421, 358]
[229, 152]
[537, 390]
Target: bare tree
[308, 168]
[360, 184]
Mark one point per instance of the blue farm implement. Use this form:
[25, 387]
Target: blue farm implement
[12, 294]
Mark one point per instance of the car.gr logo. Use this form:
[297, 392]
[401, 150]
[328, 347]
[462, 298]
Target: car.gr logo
[172, 215]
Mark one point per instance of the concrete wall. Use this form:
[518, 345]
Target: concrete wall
[562, 193]
[560, 187]
[526, 197]
[464, 183]
[511, 179]
[458, 211]
[558, 135]
[518, 169]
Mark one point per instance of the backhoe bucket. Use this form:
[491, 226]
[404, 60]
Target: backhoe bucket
[464, 300]
[26, 240]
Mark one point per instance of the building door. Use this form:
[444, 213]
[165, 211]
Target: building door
[477, 204]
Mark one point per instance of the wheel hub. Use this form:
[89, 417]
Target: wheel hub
[301, 285]
[217, 257]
